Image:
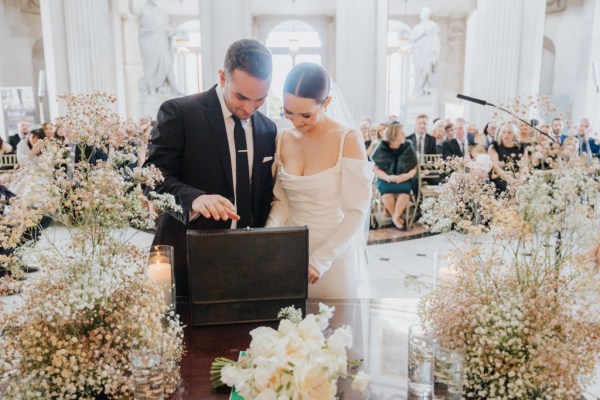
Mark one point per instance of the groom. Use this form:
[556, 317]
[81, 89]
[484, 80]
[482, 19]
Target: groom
[215, 151]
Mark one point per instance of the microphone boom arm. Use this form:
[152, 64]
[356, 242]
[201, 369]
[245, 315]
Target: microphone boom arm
[485, 103]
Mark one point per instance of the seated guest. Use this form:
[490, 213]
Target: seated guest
[374, 139]
[570, 148]
[22, 131]
[49, 130]
[26, 153]
[395, 166]
[505, 152]
[490, 133]
[363, 128]
[422, 142]
[526, 134]
[438, 131]
[458, 146]
[5, 147]
[587, 146]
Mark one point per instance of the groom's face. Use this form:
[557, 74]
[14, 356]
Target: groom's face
[243, 93]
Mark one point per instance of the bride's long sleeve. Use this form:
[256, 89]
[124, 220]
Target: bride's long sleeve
[357, 178]
[280, 208]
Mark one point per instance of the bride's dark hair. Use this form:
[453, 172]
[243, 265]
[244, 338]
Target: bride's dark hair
[309, 81]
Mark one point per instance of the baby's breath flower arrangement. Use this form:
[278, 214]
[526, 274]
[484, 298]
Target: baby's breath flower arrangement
[520, 300]
[92, 301]
[296, 361]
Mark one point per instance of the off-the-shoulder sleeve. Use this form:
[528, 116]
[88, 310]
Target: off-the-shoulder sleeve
[357, 178]
[279, 207]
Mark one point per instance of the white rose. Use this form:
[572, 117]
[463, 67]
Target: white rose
[267, 394]
[312, 383]
[229, 375]
[340, 340]
[361, 381]
[263, 342]
[267, 372]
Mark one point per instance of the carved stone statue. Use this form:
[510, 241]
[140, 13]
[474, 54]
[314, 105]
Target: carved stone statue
[425, 52]
[155, 46]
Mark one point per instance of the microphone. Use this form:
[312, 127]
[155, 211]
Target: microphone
[473, 100]
[485, 103]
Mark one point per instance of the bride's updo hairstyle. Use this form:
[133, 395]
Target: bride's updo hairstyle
[309, 81]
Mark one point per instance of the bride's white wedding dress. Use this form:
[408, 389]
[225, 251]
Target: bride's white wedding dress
[334, 204]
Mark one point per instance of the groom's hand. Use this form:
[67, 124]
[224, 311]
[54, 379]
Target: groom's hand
[215, 206]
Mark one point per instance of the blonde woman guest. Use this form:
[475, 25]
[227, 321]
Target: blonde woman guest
[395, 166]
[438, 131]
[505, 152]
[323, 181]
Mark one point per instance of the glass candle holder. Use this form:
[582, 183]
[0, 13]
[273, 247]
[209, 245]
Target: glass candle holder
[147, 374]
[160, 269]
[420, 361]
[447, 374]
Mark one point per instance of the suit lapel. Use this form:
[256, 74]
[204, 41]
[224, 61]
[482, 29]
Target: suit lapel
[214, 115]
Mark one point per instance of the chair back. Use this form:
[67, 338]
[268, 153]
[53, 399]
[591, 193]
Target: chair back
[7, 162]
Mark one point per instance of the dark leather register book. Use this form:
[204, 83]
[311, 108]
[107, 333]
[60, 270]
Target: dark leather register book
[246, 275]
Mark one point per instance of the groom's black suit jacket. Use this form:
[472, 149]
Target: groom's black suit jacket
[189, 145]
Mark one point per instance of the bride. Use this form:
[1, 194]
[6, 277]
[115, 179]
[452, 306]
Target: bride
[323, 181]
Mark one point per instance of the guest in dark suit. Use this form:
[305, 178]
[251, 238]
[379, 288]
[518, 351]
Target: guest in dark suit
[194, 145]
[23, 130]
[422, 142]
[456, 147]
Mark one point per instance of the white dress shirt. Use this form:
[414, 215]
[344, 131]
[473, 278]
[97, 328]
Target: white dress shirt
[229, 127]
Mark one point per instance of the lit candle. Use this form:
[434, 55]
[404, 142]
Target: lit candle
[160, 272]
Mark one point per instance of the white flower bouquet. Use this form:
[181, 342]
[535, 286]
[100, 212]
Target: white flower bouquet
[296, 361]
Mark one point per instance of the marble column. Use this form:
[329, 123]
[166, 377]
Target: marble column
[222, 23]
[586, 99]
[356, 69]
[80, 47]
[504, 52]
[380, 87]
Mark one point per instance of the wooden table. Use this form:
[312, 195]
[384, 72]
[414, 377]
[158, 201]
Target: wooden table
[380, 331]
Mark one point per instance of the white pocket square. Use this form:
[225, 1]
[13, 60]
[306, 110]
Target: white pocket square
[267, 159]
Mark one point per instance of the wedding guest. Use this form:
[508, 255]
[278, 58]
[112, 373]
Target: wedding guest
[22, 131]
[505, 153]
[557, 126]
[324, 182]
[438, 131]
[587, 145]
[458, 146]
[395, 167]
[526, 134]
[422, 142]
[5, 147]
[374, 139]
[490, 133]
[26, 151]
[363, 129]
[49, 130]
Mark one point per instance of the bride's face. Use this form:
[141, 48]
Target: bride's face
[305, 114]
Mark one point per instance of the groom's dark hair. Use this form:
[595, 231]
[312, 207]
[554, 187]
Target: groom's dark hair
[309, 81]
[250, 56]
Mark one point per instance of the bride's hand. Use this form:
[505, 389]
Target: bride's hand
[313, 274]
